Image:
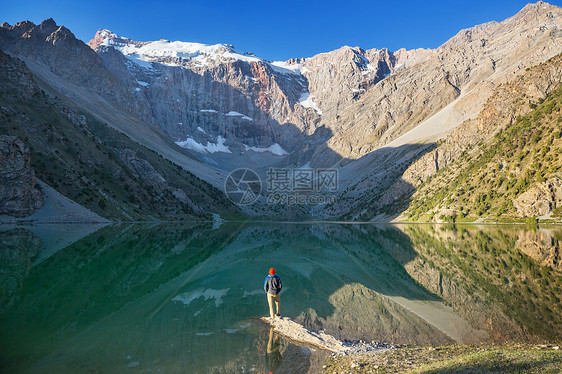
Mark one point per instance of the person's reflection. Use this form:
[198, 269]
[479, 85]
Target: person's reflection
[272, 357]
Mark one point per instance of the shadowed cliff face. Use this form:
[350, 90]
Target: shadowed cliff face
[175, 297]
[19, 196]
[84, 159]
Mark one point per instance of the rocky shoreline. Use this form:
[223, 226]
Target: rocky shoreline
[506, 358]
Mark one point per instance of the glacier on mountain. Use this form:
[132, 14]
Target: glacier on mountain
[275, 148]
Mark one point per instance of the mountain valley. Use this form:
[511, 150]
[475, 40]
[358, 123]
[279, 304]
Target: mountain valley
[142, 130]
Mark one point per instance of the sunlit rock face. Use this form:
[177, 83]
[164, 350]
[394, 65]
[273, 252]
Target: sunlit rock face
[365, 98]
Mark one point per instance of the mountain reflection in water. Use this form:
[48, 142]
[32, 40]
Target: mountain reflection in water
[182, 298]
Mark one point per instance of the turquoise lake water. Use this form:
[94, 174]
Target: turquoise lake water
[186, 297]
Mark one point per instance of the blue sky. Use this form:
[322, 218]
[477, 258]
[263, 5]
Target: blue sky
[275, 30]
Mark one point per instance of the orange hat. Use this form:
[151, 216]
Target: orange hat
[272, 271]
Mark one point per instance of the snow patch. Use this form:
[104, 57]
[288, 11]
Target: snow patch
[200, 129]
[187, 297]
[369, 68]
[275, 148]
[192, 144]
[208, 111]
[142, 62]
[307, 102]
[285, 68]
[233, 113]
[144, 84]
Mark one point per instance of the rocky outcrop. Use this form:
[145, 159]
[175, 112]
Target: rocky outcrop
[13, 70]
[239, 97]
[191, 86]
[338, 78]
[19, 196]
[144, 170]
[503, 107]
[140, 167]
[541, 199]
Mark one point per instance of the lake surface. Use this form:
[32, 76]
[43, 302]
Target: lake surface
[184, 298]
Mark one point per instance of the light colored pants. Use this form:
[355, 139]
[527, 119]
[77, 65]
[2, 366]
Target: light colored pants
[270, 299]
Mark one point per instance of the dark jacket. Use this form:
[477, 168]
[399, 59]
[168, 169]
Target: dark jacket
[272, 284]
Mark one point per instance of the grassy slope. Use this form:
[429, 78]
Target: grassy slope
[81, 163]
[485, 181]
[508, 359]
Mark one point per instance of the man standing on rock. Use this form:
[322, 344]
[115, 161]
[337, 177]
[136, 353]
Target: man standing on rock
[272, 287]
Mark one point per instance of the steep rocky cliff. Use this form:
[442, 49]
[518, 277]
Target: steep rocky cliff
[455, 80]
[86, 161]
[200, 92]
[19, 196]
[522, 114]
[56, 48]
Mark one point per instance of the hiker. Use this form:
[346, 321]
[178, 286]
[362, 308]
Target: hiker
[272, 287]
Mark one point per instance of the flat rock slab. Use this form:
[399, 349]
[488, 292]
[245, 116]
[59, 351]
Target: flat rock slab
[292, 330]
[297, 332]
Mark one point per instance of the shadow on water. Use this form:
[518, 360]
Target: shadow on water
[180, 298]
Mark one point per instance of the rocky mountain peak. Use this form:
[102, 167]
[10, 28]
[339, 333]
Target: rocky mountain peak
[47, 30]
[48, 26]
[104, 37]
[465, 36]
[544, 14]
[538, 7]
